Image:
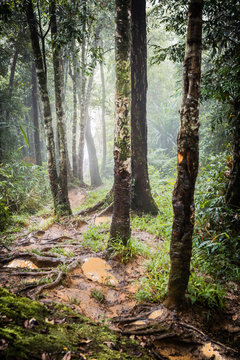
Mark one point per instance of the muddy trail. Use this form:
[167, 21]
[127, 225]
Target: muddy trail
[55, 265]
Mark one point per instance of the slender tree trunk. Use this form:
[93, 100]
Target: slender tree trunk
[74, 123]
[64, 86]
[58, 82]
[104, 143]
[51, 157]
[120, 226]
[142, 199]
[82, 104]
[188, 154]
[35, 117]
[11, 80]
[233, 189]
[92, 155]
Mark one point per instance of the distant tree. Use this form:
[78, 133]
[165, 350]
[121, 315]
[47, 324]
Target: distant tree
[188, 154]
[142, 199]
[120, 226]
[92, 155]
[37, 144]
[73, 74]
[103, 105]
[83, 96]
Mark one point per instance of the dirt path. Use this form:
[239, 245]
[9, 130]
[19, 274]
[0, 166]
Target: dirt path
[103, 289]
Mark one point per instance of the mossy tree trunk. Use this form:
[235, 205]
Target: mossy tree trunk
[92, 155]
[35, 117]
[188, 158]
[142, 199]
[42, 80]
[58, 85]
[233, 189]
[120, 226]
[104, 143]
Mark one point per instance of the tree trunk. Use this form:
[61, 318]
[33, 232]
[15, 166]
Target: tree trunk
[74, 123]
[51, 157]
[35, 117]
[142, 199]
[104, 144]
[58, 82]
[11, 79]
[188, 154]
[82, 104]
[120, 226]
[92, 156]
[233, 189]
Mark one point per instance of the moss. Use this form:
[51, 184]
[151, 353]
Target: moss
[30, 329]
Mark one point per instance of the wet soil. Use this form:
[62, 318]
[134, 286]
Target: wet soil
[104, 289]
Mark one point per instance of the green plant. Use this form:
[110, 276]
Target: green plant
[126, 252]
[96, 237]
[98, 295]
[23, 186]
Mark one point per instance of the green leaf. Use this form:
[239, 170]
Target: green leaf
[24, 135]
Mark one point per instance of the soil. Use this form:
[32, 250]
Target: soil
[104, 290]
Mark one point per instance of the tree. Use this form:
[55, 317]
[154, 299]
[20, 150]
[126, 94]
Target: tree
[92, 156]
[35, 117]
[120, 226]
[59, 204]
[58, 85]
[187, 168]
[142, 199]
[104, 144]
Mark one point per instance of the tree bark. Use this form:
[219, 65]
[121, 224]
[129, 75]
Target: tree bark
[142, 199]
[92, 156]
[58, 84]
[120, 226]
[51, 157]
[74, 123]
[35, 117]
[233, 189]
[104, 144]
[188, 155]
[82, 104]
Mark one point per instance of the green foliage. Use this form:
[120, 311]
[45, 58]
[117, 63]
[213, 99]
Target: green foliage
[96, 237]
[216, 238]
[98, 295]
[126, 252]
[23, 186]
[4, 216]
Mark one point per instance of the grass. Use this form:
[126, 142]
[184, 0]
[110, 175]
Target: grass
[96, 237]
[94, 196]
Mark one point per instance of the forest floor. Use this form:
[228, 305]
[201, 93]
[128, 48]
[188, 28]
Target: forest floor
[55, 264]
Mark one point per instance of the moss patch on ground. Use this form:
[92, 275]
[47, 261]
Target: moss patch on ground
[29, 329]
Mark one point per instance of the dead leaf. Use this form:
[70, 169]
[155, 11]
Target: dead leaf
[109, 344]
[49, 321]
[85, 341]
[3, 344]
[67, 356]
[30, 324]
[235, 317]
[83, 356]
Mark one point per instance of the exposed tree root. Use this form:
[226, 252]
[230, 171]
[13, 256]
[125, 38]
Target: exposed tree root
[169, 328]
[108, 210]
[61, 275]
[40, 261]
[100, 205]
